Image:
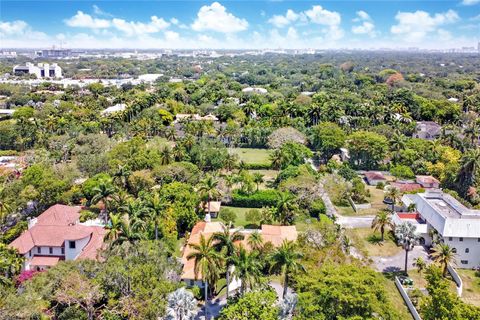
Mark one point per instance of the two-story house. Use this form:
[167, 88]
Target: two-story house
[57, 235]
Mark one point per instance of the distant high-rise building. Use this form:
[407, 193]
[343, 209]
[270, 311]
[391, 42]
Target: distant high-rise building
[54, 53]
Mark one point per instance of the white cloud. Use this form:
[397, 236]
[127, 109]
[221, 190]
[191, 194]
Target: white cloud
[174, 21]
[216, 18]
[316, 15]
[19, 29]
[414, 26]
[322, 16]
[470, 2]
[292, 33]
[131, 28]
[172, 35]
[444, 35]
[476, 18]
[84, 20]
[280, 21]
[366, 25]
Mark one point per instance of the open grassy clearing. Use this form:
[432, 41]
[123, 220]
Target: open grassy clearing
[471, 286]
[370, 243]
[240, 212]
[251, 155]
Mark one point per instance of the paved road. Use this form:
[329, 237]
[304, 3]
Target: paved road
[397, 262]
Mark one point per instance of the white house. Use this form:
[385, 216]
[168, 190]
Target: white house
[41, 70]
[57, 235]
[457, 225]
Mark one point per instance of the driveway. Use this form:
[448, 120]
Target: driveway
[397, 262]
[355, 222]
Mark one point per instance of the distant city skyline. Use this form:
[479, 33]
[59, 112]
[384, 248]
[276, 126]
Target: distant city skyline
[240, 24]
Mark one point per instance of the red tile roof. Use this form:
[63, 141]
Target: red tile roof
[44, 261]
[406, 187]
[427, 180]
[59, 215]
[374, 175]
[56, 225]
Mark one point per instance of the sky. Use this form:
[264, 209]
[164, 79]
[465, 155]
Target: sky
[240, 24]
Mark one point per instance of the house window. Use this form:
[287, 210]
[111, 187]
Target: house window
[50, 250]
[192, 283]
[478, 239]
[454, 250]
[39, 250]
[63, 250]
[71, 244]
[467, 250]
[460, 239]
[464, 262]
[450, 238]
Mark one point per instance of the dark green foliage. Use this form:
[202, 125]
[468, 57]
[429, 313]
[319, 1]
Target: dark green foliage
[259, 199]
[258, 305]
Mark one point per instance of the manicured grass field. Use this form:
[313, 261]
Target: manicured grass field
[250, 155]
[370, 243]
[240, 221]
[471, 286]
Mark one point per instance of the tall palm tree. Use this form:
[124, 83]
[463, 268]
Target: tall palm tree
[114, 228]
[287, 208]
[166, 155]
[5, 208]
[120, 176]
[255, 241]
[128, 232]
[208, 188]
[420, 264]
[257, 178]
[208, 262]
[247, 268]
[406, 236]
[155, 207]
[382, 220]
[444, 255]
[103, 193]
[225, 241]
[285, 261]
[469, 170]
[277, 159]
[393, 193]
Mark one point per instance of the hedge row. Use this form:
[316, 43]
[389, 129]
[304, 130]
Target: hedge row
[259, 199]
[258, 166]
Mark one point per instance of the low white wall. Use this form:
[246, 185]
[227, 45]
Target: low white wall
[457, 280]
[406, 298]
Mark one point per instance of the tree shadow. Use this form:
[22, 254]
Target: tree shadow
[375, 239]
[392, 272]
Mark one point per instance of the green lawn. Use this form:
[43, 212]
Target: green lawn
[250, 155]
[471, 286]
[240, 221]
[375, 199]
[394, 296]
[370, 243]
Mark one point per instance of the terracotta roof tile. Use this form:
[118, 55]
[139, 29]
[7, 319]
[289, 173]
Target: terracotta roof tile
[44, 261]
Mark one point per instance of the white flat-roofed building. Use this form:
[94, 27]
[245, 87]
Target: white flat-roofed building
[41, 70]
[458, 225]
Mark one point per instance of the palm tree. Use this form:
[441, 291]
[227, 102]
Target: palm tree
[103, 193]
[420, 264]
[247, 268]
[181, 305]
[155, 207]
[393, 193]
[255, 241]
[444, 255]
[382, 220]
[128, 232]
[120, 176]
[287, 208]
[208, 187]
[166, 156]
[285, 260]
[225, 240]
[406, 236]
[469, 170]
[114, 228]
[257, 178]
[5, 208]
[276, 157]
[208, 262]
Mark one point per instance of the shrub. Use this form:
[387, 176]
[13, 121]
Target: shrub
[87, 215]
[317, 208]
[227, 215]
[402, 172]
[380, 186]
[258, 166]
[253, 216]
[259, 199]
